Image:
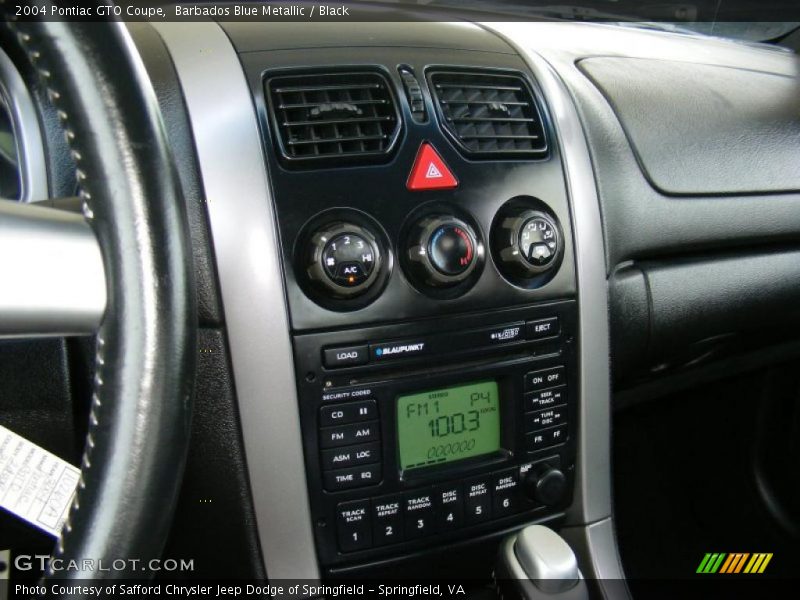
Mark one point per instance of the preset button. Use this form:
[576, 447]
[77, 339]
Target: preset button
[449, 503]
[418, 514]
[477, 499]
[387, 520]
[353, 526]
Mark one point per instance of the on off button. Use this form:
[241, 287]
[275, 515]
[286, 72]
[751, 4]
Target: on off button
[536, 380]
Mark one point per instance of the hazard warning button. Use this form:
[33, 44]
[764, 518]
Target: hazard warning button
[429, 171]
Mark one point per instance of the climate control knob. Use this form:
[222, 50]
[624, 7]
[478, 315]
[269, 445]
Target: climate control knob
[527, 243]
[442, 251]
[343, 259]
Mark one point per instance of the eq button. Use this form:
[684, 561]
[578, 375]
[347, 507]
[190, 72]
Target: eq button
[345, 479]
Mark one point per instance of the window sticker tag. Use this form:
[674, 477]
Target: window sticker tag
[35, 485]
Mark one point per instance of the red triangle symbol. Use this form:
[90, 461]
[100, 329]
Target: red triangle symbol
[429, 171]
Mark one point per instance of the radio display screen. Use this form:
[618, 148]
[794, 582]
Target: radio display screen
[446, 425]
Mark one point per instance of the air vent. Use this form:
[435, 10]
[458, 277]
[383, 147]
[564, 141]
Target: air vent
[489, 114]
[10, 175]
[333, 118]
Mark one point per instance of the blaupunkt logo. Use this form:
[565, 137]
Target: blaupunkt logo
[737, 562]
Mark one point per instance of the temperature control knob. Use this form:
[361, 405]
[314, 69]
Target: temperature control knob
[443, 250]
[343, 259]
[527, 242]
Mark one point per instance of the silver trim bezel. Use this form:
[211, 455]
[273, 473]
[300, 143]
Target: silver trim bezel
[244, 232]
[27, 133]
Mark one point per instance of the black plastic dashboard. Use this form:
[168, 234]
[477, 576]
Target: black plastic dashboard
[669, 261]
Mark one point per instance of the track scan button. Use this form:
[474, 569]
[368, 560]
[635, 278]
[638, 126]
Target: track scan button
[353, 526]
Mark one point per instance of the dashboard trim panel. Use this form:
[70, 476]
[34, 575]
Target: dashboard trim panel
[244, 234]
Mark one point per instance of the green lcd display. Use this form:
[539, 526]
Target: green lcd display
[446, 425]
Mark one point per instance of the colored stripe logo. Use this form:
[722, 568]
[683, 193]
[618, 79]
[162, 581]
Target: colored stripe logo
[737, 562]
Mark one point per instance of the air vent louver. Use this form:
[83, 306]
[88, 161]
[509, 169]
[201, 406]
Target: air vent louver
[10, 176]
[333, 117]
[488, 114]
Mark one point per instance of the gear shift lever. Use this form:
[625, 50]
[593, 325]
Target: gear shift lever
[537, 564]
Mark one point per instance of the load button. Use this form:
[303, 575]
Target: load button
[537, 380]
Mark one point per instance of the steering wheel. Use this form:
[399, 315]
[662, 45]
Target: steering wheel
[138, 432]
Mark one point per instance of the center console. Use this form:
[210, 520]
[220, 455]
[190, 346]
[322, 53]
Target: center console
[428, 262]
[414, 302]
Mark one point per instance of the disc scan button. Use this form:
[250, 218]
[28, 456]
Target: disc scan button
[345, 357]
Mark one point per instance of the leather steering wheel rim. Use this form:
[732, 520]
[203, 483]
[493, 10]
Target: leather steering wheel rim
[138, 433]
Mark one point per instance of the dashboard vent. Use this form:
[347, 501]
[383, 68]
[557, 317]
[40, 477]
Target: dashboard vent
[333, 117]
[489, 114]
[10, 174]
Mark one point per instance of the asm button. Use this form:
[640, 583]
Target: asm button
[351, 456]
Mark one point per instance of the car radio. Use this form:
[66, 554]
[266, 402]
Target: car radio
[420, 433]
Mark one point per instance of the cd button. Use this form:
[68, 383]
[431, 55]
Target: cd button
[352, 412]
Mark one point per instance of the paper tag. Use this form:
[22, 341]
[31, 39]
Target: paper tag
[35, 484]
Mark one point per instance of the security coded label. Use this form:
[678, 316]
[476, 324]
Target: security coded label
[35, 485]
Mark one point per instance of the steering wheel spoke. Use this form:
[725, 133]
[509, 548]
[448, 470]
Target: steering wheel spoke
[52, 279]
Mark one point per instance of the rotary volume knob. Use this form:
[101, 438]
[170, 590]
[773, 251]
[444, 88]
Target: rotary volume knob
[528, 243]
[443, 251]
[343, 259]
